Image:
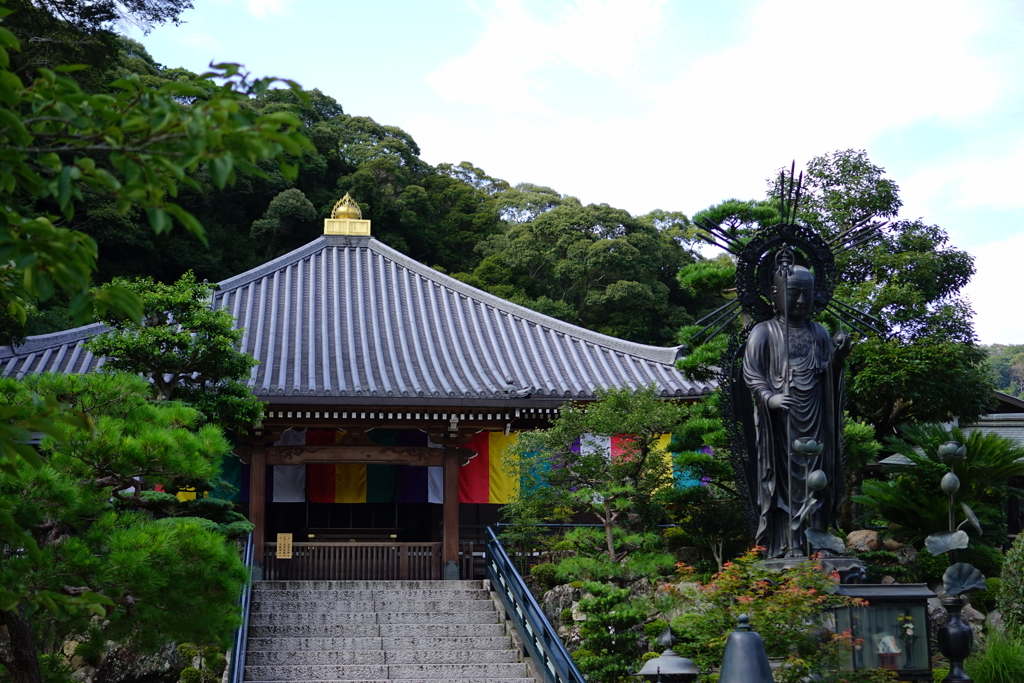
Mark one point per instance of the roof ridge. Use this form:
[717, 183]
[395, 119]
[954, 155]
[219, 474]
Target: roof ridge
[661, 354]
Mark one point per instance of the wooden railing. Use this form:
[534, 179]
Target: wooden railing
[362, 562]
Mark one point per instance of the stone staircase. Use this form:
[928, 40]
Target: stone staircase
[412, 631]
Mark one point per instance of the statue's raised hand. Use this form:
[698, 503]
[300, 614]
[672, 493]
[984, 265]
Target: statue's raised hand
[780, 402]
[843, 343]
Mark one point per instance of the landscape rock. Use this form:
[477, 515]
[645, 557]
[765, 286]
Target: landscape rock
[973, 616]
[84, 675]
[557, 599]
[891, 544]
[124, 665]
[994, 621]
[862, 541]
[907, 555]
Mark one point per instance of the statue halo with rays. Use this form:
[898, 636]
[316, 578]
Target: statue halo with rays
[772, 249]
[755, 263]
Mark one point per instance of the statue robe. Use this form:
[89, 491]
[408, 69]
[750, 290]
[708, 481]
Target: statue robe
[816, 386]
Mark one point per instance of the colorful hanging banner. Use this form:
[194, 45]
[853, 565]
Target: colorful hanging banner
[484, 479]
[352, 483]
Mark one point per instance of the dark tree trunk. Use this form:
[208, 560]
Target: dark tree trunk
[21, 657]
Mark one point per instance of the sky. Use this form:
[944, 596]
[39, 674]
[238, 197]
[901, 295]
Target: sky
[677, 105]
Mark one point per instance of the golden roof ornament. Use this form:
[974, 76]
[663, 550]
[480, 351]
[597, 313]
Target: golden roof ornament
[346, 219]
[346, 208]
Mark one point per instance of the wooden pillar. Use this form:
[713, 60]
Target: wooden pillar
[258, 500]
[451, 513]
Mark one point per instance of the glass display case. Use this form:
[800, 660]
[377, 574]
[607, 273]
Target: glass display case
[891, 631]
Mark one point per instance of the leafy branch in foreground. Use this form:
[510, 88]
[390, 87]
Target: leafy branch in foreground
[135, 146]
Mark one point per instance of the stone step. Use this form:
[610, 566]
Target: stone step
[418, 594]
[435, 672]
[365, 618]
[328, 657]
[387, 644]
[368, 585]
[376, 630]
[382, 605]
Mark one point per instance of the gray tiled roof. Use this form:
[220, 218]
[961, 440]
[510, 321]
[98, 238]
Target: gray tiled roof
[352, 317]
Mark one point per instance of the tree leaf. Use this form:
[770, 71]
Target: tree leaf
[946, 541]
[963, 578]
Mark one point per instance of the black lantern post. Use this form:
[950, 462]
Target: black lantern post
[670, 667]
[745, 660]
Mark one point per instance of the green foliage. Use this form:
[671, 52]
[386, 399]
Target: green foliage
[931, 567]
[859, 449]
[987, 559]
[594, 266]
[186, 350]
[929, 368]
[986, 600]
[637, 555]
[105, 548]
[879, 563]
[1011, 595]
[707, 518]
[608, 638]
[785, 609]
[654, 629]
[558, 478]
[1006, 365]
[134, 146]
[914, 505]
[1001, 659]
[566, 616]
[546, 575]
[211, 664]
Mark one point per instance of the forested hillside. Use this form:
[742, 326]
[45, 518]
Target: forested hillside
[593, 265]
[634, 277]
[1006, 362]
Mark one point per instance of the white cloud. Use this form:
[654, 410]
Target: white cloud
[264, 9]
[599, 37]
[805, 78]
[993, 290]
[990, 180]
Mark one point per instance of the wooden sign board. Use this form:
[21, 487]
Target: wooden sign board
[284, 546]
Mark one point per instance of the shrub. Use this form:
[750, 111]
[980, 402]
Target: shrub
[879, 563]
[653, 630]
[986, 600]
[931, 567]
[785, 608]
[1000, 661]
[546, 575]
[988, 560]
[1011, 596]
[566, 616]
[607, 638]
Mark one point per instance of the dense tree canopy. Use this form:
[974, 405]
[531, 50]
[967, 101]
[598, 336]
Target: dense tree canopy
[927, 366]
[148, 564]
[1006, 365]
[186, 350]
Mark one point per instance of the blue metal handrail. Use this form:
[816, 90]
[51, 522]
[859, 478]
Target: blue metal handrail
[237, 671]
[539, 637]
